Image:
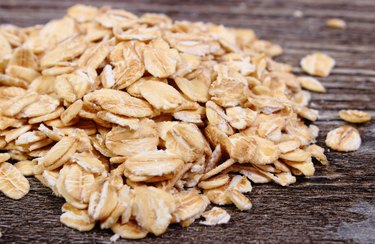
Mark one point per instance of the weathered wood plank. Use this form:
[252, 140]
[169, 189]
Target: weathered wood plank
[335, 205]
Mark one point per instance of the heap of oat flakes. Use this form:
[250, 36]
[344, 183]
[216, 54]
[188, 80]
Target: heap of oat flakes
[141, 122]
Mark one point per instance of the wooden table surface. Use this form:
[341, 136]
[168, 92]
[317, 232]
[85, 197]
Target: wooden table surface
[335, 205]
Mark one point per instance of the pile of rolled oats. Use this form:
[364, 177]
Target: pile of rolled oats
[142, 122]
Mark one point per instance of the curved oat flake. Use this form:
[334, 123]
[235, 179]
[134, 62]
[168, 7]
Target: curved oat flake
[71, 113]
[160, 60]
[336, 23]
[19, 103]
[217, 117]
[162, 96]
[71, 87]
[311, 84]
[139, 34]
[119, 102]
[43, 105]
[214, 182]
[229, 89]
[195, 89]
[23, 73]
[126, 58]
[319, 64]
[82, 13]
[26, 167]
[6, 80]
[129, 230]
[55, 157]
[127, 142]
[215, 216]
[4, 157]
[186, 140]
[103, 202]
[6, 48]
[344, 138]
[94, 56]
[242, 148]
[76, 218]
[189, 205]
[116, 17]
[355, 116]
[66, 50]
[12, 183]
[266, 151]
[152, 209]
[192, 44]
[153, 163]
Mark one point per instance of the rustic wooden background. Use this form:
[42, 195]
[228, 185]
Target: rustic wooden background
[336, 205]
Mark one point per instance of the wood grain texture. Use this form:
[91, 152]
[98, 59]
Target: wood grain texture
[336, 205]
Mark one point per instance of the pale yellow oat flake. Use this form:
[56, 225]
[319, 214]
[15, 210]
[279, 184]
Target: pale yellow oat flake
[355, 116]
[26, 167]
[12, 183]
[318, 64]
[215, 216]
[336, 23]
[312, 84]
[344, 138]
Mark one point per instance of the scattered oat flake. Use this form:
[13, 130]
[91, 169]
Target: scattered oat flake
[344, 139]
[218, 169]
[318, 64]
[336, 23]
[311, 84]
[12, 183]
[240, 200]
[115, 238]
[355, 116]
[215, 216]
[298, 14]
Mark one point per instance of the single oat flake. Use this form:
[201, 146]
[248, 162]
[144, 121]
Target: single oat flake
[139, 122]
[355, 116]
[215, 216]
[318, 64]
[311, 84]
[336, 23]
[344, 138]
